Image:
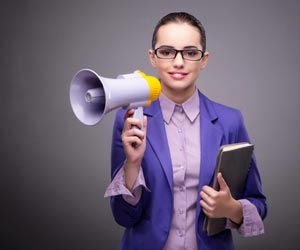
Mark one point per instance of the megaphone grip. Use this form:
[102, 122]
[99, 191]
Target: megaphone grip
[139, 114]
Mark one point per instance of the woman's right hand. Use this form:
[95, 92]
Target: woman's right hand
[134, 143]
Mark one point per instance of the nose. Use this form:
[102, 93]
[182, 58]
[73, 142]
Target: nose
[178, 60]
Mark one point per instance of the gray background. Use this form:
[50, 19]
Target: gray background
[54, 170]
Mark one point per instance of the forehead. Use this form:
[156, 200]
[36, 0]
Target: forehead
[178, 35]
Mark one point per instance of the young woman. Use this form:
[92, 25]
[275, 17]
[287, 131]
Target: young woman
[161, 173]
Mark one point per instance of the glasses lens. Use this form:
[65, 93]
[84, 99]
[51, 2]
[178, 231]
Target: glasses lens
[192, 54]
[165, 53]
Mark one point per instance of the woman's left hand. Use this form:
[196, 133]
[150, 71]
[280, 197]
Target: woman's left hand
[218, 204]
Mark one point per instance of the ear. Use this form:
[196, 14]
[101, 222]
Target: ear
[204, 60]
[152, 57]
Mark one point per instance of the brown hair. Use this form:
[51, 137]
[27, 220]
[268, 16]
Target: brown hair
[180, 17]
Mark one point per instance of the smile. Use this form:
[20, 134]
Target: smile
[178, 75]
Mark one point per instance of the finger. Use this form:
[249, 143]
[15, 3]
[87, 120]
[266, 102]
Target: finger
[222, 182]
[145, 123]
[205, 208]
[204, 205]
[134, 132]
[134, 141]
[209, 190]
[204, 195]
[132, 137]
[209, 200]
[132, 123]
[129, 113]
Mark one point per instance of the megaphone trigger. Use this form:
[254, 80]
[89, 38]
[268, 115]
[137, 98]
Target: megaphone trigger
[139, 114]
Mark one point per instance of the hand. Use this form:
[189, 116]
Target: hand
[217, 204]
[134, 143]
[134, 137]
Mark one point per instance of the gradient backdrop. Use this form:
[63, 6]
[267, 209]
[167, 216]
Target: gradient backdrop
[54, 170]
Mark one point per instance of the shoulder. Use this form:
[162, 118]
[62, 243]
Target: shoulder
[216, 110]
[227, 119]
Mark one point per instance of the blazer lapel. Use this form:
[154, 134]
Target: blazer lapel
[211, 139]
[157, 138]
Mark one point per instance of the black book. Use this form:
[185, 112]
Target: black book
[233, 161]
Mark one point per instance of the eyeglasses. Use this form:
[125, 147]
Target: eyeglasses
[187, 54]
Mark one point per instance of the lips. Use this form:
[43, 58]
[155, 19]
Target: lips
[178, 75]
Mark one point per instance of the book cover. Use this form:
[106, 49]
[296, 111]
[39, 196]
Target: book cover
[233, 161]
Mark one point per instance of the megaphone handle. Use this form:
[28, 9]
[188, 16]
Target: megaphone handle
[139, 114]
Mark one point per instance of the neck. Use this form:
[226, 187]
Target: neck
[179, 96]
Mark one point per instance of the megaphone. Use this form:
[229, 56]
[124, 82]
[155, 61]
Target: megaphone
[92, 96]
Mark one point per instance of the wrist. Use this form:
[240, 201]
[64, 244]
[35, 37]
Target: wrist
[128, 164]
[131, 172]
[236, 212]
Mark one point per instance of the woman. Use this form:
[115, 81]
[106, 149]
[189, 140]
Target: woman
[162, 172]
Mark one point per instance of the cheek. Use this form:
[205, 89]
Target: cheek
[197, 68]
[161, 65]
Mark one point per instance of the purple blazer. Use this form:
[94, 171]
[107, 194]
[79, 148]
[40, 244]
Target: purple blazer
[147, 224]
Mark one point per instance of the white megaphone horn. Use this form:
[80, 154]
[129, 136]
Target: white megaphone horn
[92, 96]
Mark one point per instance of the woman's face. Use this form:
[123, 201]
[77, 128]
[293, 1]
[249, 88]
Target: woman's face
[178, 76]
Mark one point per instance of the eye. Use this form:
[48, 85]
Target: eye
[166, 52]
[192, 53]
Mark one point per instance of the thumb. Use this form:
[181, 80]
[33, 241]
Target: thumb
[222, 182]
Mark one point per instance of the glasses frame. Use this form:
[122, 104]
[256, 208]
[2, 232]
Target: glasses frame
[178, 51]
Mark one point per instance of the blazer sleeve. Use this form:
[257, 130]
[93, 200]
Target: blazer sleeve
[231, 122]
[124, 213]
[253, 189]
